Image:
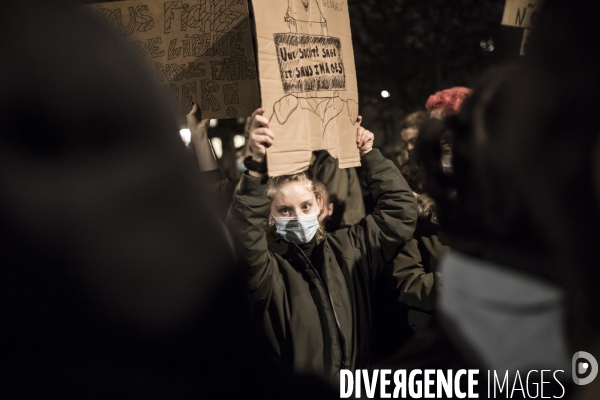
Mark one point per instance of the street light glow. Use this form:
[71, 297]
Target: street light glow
[385, 94]
[239, 141]
[186, 135]
[217, 145]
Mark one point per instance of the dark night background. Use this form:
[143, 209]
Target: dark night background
[413, 48]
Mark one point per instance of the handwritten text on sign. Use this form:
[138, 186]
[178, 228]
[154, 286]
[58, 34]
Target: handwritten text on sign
[309, 63]
[521, 13]
[201, 51]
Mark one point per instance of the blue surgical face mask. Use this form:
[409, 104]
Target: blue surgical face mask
[298, 229]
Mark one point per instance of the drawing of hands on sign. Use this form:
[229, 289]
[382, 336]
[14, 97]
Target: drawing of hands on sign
[305, 16]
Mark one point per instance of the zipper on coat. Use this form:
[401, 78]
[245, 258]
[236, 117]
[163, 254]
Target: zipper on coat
[341, 338]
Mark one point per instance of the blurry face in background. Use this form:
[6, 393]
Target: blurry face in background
[446, 150]
[437, 113]
[447, 158]
[409, 137]
[295, 199]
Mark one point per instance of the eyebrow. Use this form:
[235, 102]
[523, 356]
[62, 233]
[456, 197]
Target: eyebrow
[307, 200]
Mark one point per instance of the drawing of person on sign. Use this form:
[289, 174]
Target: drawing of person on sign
[312, 74]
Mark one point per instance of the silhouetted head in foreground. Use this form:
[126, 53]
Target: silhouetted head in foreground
[556, 123]
[117, 276]
[523, 192]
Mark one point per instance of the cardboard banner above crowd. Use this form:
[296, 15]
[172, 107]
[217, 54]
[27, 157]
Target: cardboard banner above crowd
[526, 33]
[521, 13]
[308, 81]
[201, 51]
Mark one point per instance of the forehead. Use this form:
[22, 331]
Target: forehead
[294, 192]
[409, 133]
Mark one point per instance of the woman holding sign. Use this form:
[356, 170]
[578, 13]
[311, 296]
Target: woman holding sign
[313, 289]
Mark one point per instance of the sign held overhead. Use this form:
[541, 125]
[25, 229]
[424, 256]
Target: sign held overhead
[308, 81]
[521, 13]
[200, 51]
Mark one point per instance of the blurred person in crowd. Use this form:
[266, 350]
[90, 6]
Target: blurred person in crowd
[443, 104]
[117, 278]
[500, 304]
[409, 131]
[402, 147]
[499, 307]
[415, 268]
[343, 187]
[556, 122]
[311, 289]
[446, 102]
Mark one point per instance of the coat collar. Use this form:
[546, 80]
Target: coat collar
[277, 245]
[281, 246]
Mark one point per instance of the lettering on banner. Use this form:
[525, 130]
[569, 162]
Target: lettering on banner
[199, 51]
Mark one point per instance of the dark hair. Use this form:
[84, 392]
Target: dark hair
[417, 120]
[412, 172]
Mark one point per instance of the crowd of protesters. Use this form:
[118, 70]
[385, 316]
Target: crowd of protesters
[127, 270]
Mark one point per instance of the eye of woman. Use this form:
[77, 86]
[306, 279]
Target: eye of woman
[306, 206]
[284, 211]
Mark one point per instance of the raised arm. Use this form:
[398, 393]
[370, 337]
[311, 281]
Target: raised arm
[248, 216]
[415, 287]
[199, 136]
[392, 223]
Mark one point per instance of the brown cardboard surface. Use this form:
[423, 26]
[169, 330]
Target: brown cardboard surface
[526, 33]
[308, 81]
[201, 51]
[521, 13]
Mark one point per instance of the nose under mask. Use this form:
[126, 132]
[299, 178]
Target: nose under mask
[297, 229]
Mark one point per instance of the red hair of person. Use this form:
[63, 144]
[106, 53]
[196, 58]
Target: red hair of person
[449, 100]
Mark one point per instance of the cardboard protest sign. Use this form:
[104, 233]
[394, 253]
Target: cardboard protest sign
[521, 13]
[201, 51]
[308, 81]
[526, 33]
